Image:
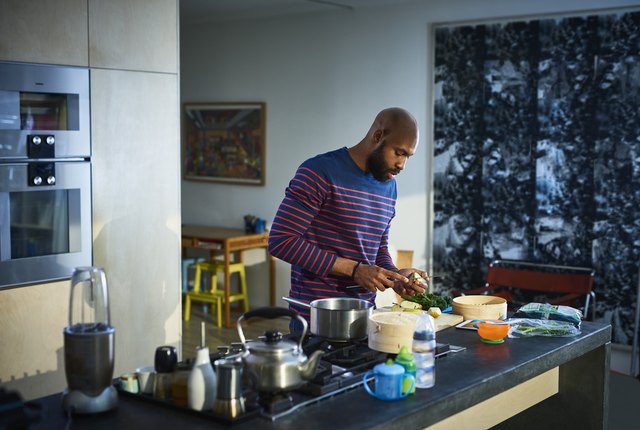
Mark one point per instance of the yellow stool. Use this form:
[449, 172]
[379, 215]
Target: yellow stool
[215, 295]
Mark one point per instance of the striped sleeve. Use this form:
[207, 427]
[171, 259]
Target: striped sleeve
[383, 258]
[303, 199]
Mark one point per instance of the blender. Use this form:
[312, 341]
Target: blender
[89, 342]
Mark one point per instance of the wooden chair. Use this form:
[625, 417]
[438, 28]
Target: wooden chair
[553, 284]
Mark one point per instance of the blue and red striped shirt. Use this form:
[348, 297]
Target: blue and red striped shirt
[332, 208]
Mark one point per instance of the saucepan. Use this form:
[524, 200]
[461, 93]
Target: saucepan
[338, 319]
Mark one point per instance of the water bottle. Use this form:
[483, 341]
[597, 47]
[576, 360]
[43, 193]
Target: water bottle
[424, 351]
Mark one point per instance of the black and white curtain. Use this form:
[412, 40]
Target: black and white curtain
[537, 152]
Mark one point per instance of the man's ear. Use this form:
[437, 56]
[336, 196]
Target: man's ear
[377, 135]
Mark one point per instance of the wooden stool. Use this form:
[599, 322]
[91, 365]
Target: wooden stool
[213, 294]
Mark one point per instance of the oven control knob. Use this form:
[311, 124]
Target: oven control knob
[37, 180]
[36, 140]
[51, 140]
[51, 180]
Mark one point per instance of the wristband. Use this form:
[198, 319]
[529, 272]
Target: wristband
[353, 273]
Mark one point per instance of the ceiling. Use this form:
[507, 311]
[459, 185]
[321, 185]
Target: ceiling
[198, 11]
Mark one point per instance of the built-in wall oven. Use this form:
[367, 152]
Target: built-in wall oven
[45, 172]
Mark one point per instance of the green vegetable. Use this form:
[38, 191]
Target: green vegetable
[526, 327]
[430, 300]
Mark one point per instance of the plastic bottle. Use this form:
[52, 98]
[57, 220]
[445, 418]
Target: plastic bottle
[405, 359]
[201, 385]
[424, 351]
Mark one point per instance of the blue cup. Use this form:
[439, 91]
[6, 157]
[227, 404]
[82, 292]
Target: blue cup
[388, 381]
[259, 226]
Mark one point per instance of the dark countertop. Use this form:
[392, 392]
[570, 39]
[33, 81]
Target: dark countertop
[462, 380]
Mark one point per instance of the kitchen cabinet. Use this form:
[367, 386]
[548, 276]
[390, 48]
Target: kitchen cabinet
[566, 376]
[44, 31]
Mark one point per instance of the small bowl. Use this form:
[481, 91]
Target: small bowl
[492, 332]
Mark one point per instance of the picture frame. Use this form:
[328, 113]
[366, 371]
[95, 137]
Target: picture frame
[224, 142]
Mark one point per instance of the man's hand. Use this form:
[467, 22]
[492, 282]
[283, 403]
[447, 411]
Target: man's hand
[412, 287]
[374, 278]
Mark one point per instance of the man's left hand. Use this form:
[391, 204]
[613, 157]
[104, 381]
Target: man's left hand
[412, 287]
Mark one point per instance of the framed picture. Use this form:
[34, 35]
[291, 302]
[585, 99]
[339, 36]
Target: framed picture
[224, 142]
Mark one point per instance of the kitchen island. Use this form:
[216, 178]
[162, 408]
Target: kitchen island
[522, 383]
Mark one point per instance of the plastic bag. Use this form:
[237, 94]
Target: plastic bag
[527, 327]
[545, 311]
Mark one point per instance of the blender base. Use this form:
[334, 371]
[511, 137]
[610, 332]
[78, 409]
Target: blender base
[78, 402]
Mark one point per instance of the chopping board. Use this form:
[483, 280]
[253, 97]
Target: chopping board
[442, 322]
[447, 320]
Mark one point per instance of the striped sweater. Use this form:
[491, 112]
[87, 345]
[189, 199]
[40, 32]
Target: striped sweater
[332, 208]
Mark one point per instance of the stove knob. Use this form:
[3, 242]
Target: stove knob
[51, 140]
[36, 140]
[37, 180]
[51, 180]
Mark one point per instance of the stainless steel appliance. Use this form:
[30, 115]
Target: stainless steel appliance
[45, 173]
[89, 342]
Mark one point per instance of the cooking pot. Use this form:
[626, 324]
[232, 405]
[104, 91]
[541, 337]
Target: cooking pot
[274, 364]
[339, 318]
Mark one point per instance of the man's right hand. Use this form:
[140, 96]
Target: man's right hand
[375, 278]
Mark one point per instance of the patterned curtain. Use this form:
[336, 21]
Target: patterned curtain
[537, 152]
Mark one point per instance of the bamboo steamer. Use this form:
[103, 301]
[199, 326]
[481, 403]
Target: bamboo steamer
[480, 307]
[390, 331]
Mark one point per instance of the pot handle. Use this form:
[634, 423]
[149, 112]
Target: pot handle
[271, 313]
[297, 302]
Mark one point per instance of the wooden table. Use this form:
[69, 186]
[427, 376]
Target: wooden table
[228, 241]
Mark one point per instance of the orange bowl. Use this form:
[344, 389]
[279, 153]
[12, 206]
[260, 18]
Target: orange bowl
[492, 332]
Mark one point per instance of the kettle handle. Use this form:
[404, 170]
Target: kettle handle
[271, 313]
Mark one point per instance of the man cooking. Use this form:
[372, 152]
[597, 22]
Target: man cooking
[333, 223]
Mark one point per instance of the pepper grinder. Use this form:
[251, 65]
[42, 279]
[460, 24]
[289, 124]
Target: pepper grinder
[165, 362]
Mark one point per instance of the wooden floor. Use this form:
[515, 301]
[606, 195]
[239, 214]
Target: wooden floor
[214, 336]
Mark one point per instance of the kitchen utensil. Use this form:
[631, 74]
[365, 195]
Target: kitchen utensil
[89, 343]
[339, 318]
[390, 331]
[492, 332]
[274, 364]
[145, 379]
[480, 307]
[229, 400]
[388, 381]
[165, 361]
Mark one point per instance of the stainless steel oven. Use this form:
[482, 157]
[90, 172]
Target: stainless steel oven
[45, 173]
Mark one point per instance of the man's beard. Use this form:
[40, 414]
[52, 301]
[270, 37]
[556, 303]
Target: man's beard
[376, 164]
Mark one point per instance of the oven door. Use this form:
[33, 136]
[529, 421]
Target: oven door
[45, 221]
[44, 111]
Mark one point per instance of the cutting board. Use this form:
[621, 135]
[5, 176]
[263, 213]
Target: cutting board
[447, 320]
[442, 322]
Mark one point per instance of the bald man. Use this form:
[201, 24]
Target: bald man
[333, 223]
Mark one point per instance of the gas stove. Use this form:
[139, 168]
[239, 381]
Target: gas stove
[340, 369]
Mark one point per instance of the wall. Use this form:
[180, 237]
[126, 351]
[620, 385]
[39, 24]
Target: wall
[131, 48]
[324, 77]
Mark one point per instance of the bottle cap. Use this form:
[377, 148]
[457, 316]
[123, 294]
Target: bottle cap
[405, 359]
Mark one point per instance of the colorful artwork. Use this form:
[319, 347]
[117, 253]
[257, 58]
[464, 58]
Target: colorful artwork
[224, 142]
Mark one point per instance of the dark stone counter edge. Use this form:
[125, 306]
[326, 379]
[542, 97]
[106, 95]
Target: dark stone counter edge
[464, 398]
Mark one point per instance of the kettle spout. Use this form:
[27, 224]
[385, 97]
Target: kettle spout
[308, 368]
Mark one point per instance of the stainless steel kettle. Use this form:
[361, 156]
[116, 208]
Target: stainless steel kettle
[275, 364]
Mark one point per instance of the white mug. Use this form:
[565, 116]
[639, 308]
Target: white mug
[145, 378]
